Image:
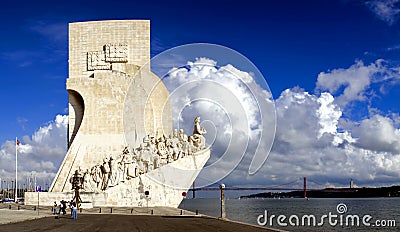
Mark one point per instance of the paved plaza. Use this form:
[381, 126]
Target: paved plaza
[114, 219]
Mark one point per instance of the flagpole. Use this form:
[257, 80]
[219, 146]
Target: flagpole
[16, 168]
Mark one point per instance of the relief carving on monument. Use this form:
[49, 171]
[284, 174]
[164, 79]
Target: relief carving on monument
[117, 53]
[111, 53]
[151, 154]
[96, 61]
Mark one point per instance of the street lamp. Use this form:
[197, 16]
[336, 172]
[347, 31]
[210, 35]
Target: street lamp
[12, 187]
[19, 189]
[7, 189]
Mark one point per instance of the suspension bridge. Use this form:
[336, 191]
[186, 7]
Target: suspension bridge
[281, 187]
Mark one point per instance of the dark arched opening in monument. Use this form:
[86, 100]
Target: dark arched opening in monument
[78, 105]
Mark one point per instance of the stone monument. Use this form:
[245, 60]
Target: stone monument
[120, 135]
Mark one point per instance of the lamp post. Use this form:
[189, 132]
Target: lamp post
[5, 185]
[12, 186]
[223, 212]
[8, 189]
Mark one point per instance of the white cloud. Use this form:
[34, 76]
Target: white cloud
[355, 80]
[312, 137]
[297, 121]
[40, 154]
[328, 113]
[386, 10]
[379, 134]
[352, 84]
[238, 113]
[332, 158]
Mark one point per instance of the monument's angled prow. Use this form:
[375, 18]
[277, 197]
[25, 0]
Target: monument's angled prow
[120, 136]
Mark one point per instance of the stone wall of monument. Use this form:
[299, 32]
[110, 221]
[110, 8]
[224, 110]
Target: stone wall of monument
[122, 150]
[114, 98]
[164, 186]
[90, 38]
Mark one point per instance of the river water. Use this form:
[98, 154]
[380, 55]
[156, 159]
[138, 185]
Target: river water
[333, 214]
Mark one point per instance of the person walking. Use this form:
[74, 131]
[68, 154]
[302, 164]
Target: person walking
[64, 206]
[74, 211]
[70, 206]
[59, 209]
[55, 208]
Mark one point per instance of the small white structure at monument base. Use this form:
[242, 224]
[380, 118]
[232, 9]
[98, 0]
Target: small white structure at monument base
[120, 138]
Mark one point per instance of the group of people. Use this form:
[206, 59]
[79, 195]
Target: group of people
[61, 208]
[152, 153]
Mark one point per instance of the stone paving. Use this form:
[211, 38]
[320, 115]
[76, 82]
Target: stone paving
[11, 212]
[15, 217]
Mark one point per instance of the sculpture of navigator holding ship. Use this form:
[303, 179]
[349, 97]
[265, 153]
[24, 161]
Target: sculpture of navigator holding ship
[120, 137]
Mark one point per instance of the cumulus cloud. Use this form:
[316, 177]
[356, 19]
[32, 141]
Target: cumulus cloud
[39, 155]
[328, 114]
[386, 10]
[353, 83]
[310, 144]
[232, 106]
[312, 137]
[378, 133]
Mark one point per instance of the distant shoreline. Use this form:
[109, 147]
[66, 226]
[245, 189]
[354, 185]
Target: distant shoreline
[393, 191]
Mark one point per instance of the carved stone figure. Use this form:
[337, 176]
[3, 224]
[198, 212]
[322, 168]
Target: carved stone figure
[156, 161]
[113, 174]
[125, 151]
[185, 143]
[105, 173]
[199, 142]
[121, 169]
[97, 177]
[198, 130]
[87, 181]
[151, 154]
[162, 150]
[131, 167]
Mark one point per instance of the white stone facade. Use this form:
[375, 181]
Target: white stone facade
[114, 102]
[164, 185]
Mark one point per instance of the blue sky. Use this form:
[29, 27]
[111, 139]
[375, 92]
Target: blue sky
[291, 42]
